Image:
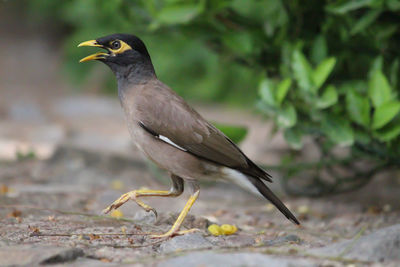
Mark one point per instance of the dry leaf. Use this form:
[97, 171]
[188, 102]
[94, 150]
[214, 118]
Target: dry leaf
[94, 236]
[4, 189]
[15, 213]
[34, 230]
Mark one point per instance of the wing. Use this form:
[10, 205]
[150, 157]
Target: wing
[169, 117]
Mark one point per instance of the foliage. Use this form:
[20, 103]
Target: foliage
[325, 69]
[180, 57]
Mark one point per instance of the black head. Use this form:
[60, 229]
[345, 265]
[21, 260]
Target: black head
[125, 52]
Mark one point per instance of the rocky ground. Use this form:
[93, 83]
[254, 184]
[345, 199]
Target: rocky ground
[63, 158]
[60, 169]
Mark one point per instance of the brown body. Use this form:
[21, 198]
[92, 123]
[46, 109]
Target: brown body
[152, 99]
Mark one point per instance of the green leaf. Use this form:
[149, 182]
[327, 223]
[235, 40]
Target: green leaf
[239, 42]
[389, 132]
[365, 21]
[384, 114]
[319, 49]
[379, 89]
[235, 133]
[321, 73]
[328, 98]
[343, 7]
[178, 14]
[266, 90]
[301, 70]
[338, 130]
[282, 89]
[286, 117]
[293, 137]
[358, 108]
[377, 65]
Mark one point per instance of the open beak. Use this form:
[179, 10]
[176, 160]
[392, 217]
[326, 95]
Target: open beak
[99, 55]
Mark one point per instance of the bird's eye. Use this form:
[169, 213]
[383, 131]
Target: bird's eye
[116, 45]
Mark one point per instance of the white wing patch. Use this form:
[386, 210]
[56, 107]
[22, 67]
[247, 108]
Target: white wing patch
[240, 179]
[168, 141]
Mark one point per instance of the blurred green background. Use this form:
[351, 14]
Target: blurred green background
[327, 70]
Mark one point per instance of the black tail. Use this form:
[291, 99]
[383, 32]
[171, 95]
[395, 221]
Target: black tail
[267, 193]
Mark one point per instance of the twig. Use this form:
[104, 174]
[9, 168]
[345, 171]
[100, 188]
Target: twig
[98, 234]
[353, 242]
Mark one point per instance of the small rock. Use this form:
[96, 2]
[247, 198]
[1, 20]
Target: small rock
[145, 217]
[379, 246]
[185, 242]
[64, 256]
[34, 255]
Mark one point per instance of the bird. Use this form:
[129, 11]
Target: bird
[173, 135]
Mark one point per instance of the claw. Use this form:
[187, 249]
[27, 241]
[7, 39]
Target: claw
[154, 212]
[125, 198]
[106, 210]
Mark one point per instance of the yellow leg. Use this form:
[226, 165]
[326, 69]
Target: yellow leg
[176, 190]
[175, 228]
[135, 194]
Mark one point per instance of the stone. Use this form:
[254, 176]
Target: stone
[145, 217]
[380, 246]
[236, 240]
[34, 255]
[64, 256]
[185, 242]
[212, 259]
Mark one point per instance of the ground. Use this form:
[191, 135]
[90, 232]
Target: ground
[82, 160]
[50, 206]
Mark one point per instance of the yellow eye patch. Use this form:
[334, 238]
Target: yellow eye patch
[118, 47]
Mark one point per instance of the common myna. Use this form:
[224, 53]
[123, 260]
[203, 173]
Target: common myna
[171, 133]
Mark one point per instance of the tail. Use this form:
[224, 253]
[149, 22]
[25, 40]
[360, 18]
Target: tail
[267, 193]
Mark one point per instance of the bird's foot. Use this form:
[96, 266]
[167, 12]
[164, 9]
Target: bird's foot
[132, 195]
[172, 233]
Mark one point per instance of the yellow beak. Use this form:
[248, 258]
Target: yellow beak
[99, 55]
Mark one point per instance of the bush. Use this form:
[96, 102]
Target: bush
[326, 69]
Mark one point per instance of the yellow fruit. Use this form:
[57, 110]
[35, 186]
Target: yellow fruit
[215, 230]
[228, 229]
